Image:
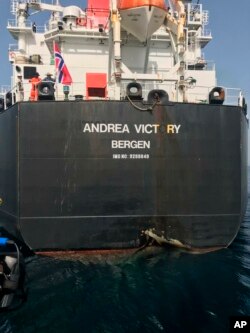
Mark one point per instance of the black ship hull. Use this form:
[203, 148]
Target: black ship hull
[98, 174]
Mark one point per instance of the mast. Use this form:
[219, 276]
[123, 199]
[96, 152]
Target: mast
[116, 36]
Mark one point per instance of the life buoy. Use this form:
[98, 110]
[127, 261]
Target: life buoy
[81, 21]
[158, 95]
[134, 90]
[12, 55]
[217, 95]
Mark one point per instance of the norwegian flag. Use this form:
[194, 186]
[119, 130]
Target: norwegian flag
[64, 76]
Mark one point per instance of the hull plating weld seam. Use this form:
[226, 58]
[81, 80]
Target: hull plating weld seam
[124, 216]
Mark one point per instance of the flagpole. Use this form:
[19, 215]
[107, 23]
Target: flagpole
[55, 72]
[61, 50]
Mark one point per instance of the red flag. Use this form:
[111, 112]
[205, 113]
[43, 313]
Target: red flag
[64, 76]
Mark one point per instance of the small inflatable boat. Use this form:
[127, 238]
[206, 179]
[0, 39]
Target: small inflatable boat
[12, 275]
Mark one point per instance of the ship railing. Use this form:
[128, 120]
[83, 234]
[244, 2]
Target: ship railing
[7, 96]
[13, 47]
[205, 17]
[200, 64]
[88, 33]
[76, 91]
[206, 32]
[18, 57]
[4, 89]
[200, 94]
[34, 1]
[41, 29]
[194, 14]
[232, 96]
[12, 23]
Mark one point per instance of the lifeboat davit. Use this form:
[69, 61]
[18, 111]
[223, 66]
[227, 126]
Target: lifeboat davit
[142, 17]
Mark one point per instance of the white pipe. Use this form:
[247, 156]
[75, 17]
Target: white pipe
[117, 38]
[22, 43]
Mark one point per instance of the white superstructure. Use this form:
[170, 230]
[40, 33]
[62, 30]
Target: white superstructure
[105, 48]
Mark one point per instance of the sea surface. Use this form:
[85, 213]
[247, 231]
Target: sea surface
[154, 290]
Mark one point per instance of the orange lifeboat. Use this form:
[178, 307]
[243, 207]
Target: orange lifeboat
[142, 18]
[126, 4]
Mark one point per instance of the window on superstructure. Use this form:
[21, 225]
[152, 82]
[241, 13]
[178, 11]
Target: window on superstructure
[29, 72]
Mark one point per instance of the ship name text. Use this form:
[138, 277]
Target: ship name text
[96, 127]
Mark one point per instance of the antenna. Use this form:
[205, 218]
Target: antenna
[13, 6]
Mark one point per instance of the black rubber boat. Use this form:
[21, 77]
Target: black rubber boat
[12, 275]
